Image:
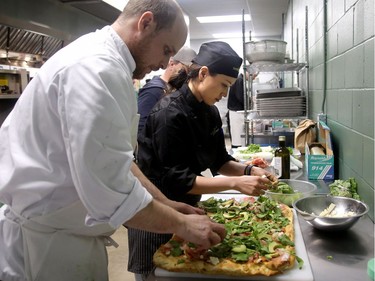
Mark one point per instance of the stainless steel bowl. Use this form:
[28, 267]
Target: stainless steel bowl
[301, 189]
[309, 208]
[265, 50]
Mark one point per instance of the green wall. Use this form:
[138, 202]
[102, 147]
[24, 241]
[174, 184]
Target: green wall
[341, 84]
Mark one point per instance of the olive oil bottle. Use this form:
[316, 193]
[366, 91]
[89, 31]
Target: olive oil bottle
[282, 160]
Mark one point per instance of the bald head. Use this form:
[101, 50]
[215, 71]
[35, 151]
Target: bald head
[153, 31]
[165, 11]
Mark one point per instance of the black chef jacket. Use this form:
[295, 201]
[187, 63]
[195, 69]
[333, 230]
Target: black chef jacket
[182, 137]
[235, 100]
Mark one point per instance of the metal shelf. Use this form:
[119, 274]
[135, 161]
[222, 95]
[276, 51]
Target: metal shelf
[272, 134]
[251, 113]
[9, 71]
[9, 96]
[277, 117]
[269, 66]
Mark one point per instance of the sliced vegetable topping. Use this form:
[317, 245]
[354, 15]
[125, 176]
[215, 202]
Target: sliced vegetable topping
[255, 231]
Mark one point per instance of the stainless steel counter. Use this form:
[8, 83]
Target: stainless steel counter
[341, 256]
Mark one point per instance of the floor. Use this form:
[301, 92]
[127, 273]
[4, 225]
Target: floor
[118, 257]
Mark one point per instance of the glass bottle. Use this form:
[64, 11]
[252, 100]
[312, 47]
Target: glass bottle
[282, 160]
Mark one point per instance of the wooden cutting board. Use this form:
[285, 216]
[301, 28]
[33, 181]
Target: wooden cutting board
[293, 274]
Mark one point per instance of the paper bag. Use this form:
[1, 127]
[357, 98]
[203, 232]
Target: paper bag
[304, 133]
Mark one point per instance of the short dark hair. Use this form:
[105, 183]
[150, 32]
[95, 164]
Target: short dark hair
[165, 11]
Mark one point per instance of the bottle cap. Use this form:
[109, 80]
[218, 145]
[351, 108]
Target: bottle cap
[281, 138]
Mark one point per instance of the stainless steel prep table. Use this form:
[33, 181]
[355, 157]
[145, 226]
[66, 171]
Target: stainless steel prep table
[339, 256]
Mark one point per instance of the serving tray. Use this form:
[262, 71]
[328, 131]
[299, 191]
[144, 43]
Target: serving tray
[293, 274]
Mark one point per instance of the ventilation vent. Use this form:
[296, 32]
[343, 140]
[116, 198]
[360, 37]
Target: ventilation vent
[27, 42]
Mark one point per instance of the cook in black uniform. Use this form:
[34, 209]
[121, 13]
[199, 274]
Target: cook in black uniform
[236, 119]
[183, 136]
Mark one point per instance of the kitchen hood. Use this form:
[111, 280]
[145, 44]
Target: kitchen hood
[97, 8]
[21, 47]
[18, 46]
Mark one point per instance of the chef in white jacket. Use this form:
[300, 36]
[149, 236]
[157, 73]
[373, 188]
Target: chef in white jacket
[67, 177]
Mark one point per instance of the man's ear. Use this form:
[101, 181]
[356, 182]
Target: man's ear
[146, 22]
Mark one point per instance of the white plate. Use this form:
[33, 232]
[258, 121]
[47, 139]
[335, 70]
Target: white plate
[266, 154]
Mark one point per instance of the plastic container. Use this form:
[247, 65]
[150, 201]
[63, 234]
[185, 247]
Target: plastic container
[265, 50]
[301, 189]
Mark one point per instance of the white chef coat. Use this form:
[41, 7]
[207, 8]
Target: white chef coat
[68, 139]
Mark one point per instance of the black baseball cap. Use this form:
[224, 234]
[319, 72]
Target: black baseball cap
[219, 57]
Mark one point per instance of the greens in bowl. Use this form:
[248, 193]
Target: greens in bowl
[289, 191]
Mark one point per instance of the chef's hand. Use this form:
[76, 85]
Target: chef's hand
[184, 208]
[201, 231]
[251, 185]
[255, 184]
[256, 171]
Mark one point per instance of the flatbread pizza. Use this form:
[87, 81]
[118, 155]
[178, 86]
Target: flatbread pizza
[259, 241]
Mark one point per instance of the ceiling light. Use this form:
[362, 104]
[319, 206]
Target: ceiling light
[118, 4]
[232, 18]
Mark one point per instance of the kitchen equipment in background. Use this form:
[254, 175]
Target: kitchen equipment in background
[279, 93]
[282, 102]
[311, 207]
[264, 86]
[4, 88]
[13, 81]
[265, 81]
[265, 50]
[282, 107]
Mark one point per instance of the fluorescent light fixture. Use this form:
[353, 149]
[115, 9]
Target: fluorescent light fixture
[118, 4]
[231, 18]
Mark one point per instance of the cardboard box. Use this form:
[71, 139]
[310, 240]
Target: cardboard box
[320, 167]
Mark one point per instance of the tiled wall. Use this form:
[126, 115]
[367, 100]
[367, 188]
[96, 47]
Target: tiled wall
[349, 87]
